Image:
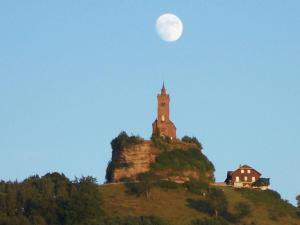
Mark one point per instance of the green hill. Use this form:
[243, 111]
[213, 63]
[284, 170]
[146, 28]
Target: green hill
[149, 196]
[178, 206]
[53, 199]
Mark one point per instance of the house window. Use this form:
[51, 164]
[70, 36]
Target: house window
[245, 178]
[242, 171]
[253, 179]
[248, 171]
[237, 179]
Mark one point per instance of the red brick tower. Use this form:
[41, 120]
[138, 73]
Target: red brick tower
[163, 124]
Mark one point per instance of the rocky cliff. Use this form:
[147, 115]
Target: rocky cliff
[133, 161]
[177, 161]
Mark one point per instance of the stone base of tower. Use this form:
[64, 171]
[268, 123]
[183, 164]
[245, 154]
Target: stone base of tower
[166, 129]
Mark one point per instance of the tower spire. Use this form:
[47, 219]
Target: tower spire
[163, 89]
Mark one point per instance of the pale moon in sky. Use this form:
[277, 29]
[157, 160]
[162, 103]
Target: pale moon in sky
[169, 27]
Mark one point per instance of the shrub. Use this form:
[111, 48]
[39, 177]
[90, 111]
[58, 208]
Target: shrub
[123, 141]
[197, 186]
[178, 160]
[193, 140]
[200, 205]
[163, 143]
[165, 184]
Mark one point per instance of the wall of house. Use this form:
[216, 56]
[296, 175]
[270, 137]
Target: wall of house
[244, 177]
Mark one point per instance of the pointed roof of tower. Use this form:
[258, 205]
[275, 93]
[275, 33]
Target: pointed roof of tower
[163, 89]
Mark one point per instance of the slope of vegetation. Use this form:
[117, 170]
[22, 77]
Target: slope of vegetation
[179, 160]
[51, 199]
[55, 200]
[196, 204]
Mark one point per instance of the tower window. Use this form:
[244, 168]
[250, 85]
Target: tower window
[163, 104]
[163, 118]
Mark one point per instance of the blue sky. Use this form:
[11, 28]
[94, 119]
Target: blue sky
[73, 74]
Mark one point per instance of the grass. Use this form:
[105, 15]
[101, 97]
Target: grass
[171, 205]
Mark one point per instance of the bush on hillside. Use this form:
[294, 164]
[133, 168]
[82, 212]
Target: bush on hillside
[193, 140]
[197, 186]
[123, 140]
[178, 160]
[160, 142]
[200, 205]
[166, 184]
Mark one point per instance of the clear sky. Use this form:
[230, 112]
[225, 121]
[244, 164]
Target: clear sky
[73, 74]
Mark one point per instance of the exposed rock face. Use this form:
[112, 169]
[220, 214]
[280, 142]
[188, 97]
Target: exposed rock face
[133, 161]
[128, 162]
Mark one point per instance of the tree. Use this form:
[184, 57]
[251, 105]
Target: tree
[146, 181]
[217, 201]
[84, 206]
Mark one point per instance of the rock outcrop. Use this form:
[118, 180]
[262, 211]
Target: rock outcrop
[177, 161]
[133, 161]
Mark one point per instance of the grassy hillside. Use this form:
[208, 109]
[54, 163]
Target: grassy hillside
[174, 205]
[53, 199]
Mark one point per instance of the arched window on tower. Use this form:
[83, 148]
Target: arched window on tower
[163, 118]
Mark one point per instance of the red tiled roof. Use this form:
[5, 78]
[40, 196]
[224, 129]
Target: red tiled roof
[245, 167]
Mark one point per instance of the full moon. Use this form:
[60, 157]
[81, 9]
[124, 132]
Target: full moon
[169, 27]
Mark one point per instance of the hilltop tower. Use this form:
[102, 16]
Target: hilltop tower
[163, 124]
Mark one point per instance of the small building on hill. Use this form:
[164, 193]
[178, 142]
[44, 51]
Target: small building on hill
[246, 176]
